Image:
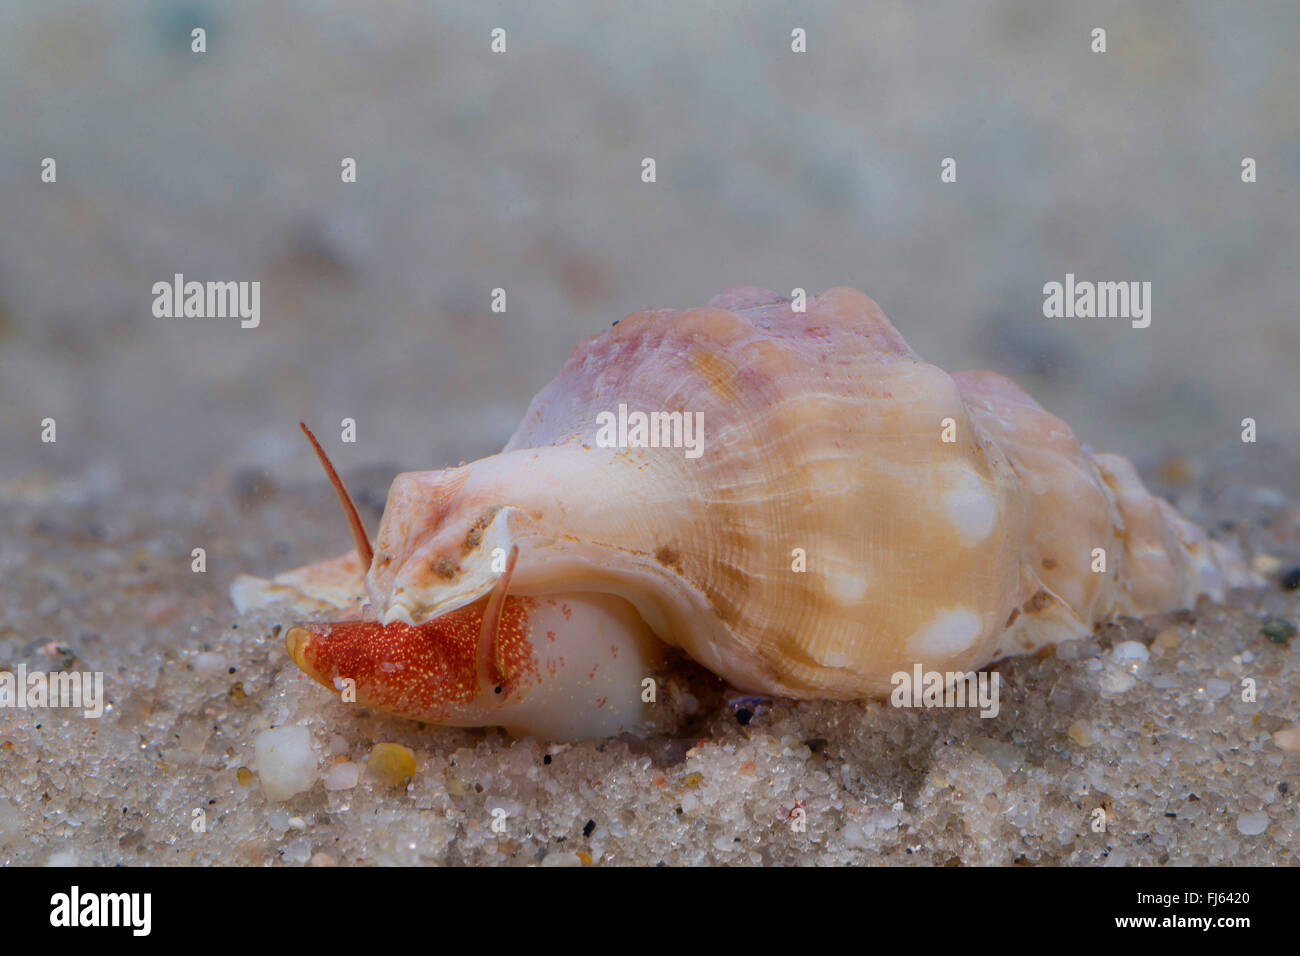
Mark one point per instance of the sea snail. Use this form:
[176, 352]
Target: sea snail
[795, 499]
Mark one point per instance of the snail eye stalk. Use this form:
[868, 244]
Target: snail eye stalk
[365, 554]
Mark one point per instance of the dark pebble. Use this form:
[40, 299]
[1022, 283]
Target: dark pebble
[1291, 579]
[1278, 631]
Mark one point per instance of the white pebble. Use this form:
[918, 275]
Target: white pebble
[1131, 651]
[298, 851]
[285, 762]
[1115, 681]
[1252, 824]
[1288, 738]
[62, 858]
[562, 858]
[1216, 689]
[342, 776]
[208, 664]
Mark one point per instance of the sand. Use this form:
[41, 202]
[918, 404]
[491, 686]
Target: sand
[1143, 720]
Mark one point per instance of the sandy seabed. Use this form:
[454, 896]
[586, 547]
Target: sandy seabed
[1154, 733]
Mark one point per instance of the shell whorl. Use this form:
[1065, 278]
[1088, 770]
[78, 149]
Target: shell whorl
[824, 435]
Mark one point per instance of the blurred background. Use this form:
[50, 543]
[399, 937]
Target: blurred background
[522, 171]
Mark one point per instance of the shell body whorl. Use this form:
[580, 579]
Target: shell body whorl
[823, 511]
[946, 520]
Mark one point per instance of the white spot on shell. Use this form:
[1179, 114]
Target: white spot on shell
[847, 589]
[952, 631]
[834, 659]
[969, 509]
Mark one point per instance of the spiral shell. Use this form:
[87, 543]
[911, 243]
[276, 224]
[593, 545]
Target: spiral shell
[851, 510]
